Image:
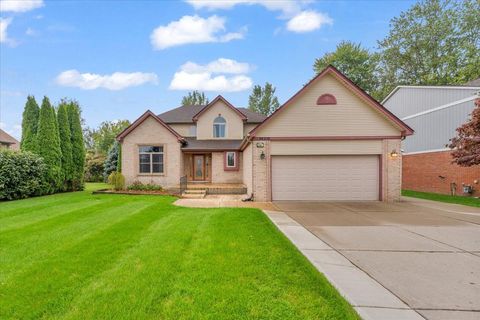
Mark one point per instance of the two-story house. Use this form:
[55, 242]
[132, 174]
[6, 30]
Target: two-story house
[330, 141]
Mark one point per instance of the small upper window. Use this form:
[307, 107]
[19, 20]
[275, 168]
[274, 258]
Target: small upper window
[231, 160]
[219, 125]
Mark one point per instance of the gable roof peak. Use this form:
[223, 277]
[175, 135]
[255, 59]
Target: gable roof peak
[213, 102]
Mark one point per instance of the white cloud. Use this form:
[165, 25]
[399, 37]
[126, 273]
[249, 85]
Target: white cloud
[211, 77]
[192, 29]
[287, 7]
[4, 23]
[114, 81]
[31, 32]
[20, 5]
[221, 65]
[307, 21]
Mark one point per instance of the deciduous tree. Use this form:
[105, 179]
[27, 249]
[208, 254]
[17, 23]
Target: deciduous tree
[466, 145]
[357, 63]
[194, 98]
[263, 99]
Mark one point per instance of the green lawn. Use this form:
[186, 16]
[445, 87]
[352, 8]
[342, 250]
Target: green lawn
[467, 201]
[84, 256]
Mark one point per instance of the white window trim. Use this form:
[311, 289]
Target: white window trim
[151, 159]
[234, 159]
[219, 123]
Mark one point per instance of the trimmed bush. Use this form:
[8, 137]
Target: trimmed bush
[116, 180]
[21, 175]
[137, 185]
[94, 167]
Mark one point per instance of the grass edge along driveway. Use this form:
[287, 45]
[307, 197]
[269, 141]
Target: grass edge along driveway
[463, 200]
[84, 256]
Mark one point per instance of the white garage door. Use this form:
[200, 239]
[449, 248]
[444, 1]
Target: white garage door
[325, 177]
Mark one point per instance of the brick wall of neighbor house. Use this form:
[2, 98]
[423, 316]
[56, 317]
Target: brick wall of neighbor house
[392, 170]
[219, 175]
[261, 171]
[150, 132]
[422, 171]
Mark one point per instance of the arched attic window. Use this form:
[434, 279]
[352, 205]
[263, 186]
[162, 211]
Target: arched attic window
[326, 99]
[219, 127]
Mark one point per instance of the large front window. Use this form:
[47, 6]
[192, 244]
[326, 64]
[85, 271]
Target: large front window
[150, 159]
[219, 125]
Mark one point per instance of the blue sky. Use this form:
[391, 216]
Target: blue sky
[120, 58]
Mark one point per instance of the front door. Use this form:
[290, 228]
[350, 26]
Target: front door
[199, 167]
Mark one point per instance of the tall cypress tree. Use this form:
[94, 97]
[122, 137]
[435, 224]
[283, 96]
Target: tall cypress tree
[78, 147]
[30, 125]
[65, 145]
[49, 146]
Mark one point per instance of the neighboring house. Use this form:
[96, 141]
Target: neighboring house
[330, 141]
[435, 112]
[8, 142]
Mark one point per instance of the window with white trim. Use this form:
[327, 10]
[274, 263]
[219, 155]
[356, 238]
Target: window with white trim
[219, 126]
[150, 159]
[231, 159]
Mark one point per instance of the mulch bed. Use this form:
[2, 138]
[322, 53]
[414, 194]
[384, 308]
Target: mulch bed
[135, 192]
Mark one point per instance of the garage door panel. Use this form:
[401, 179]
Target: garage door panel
[325, 177]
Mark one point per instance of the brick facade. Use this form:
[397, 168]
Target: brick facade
[392, 170]
[434, 172]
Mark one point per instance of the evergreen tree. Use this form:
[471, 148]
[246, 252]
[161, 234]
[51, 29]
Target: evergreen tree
[29, 125]
[111, 162]
[78, 147]
[49, 146]
[65, 145]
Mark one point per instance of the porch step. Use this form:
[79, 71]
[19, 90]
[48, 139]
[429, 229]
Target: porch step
[194, 194]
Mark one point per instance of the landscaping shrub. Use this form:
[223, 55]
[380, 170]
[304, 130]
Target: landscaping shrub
[21, 175]
[137, 185]
[94, 167]
[111, 162]
[117, 180]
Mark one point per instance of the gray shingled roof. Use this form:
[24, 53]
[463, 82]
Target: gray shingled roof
[6, 138]
[211, 145]
[185, 114]
[474, 83]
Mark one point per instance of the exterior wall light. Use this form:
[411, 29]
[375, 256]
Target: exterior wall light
[262, 155]
[394, 153]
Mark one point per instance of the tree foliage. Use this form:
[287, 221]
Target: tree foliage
[111, 162]
[435, 42]
[194, 98]
[466, 144]
[263, 100]
[65, 145]
[78, 147]
[29, 125]
[49, 146]
[94, 167]
[357, 63]
[21, 175]
[104, 136]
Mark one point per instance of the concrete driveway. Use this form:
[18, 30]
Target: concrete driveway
[426, 253]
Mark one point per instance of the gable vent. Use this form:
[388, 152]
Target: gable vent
[326, 99]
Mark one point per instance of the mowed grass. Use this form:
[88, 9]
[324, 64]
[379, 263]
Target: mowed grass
[84, 256]
[466, 201]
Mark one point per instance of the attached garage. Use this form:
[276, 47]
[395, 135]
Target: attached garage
[325, 177]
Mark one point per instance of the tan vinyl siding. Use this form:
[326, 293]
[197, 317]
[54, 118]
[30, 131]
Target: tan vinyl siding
[326, 147]
[234, 128]
[248, 169]
[248, 127]
[150, 132]
[351, 116]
